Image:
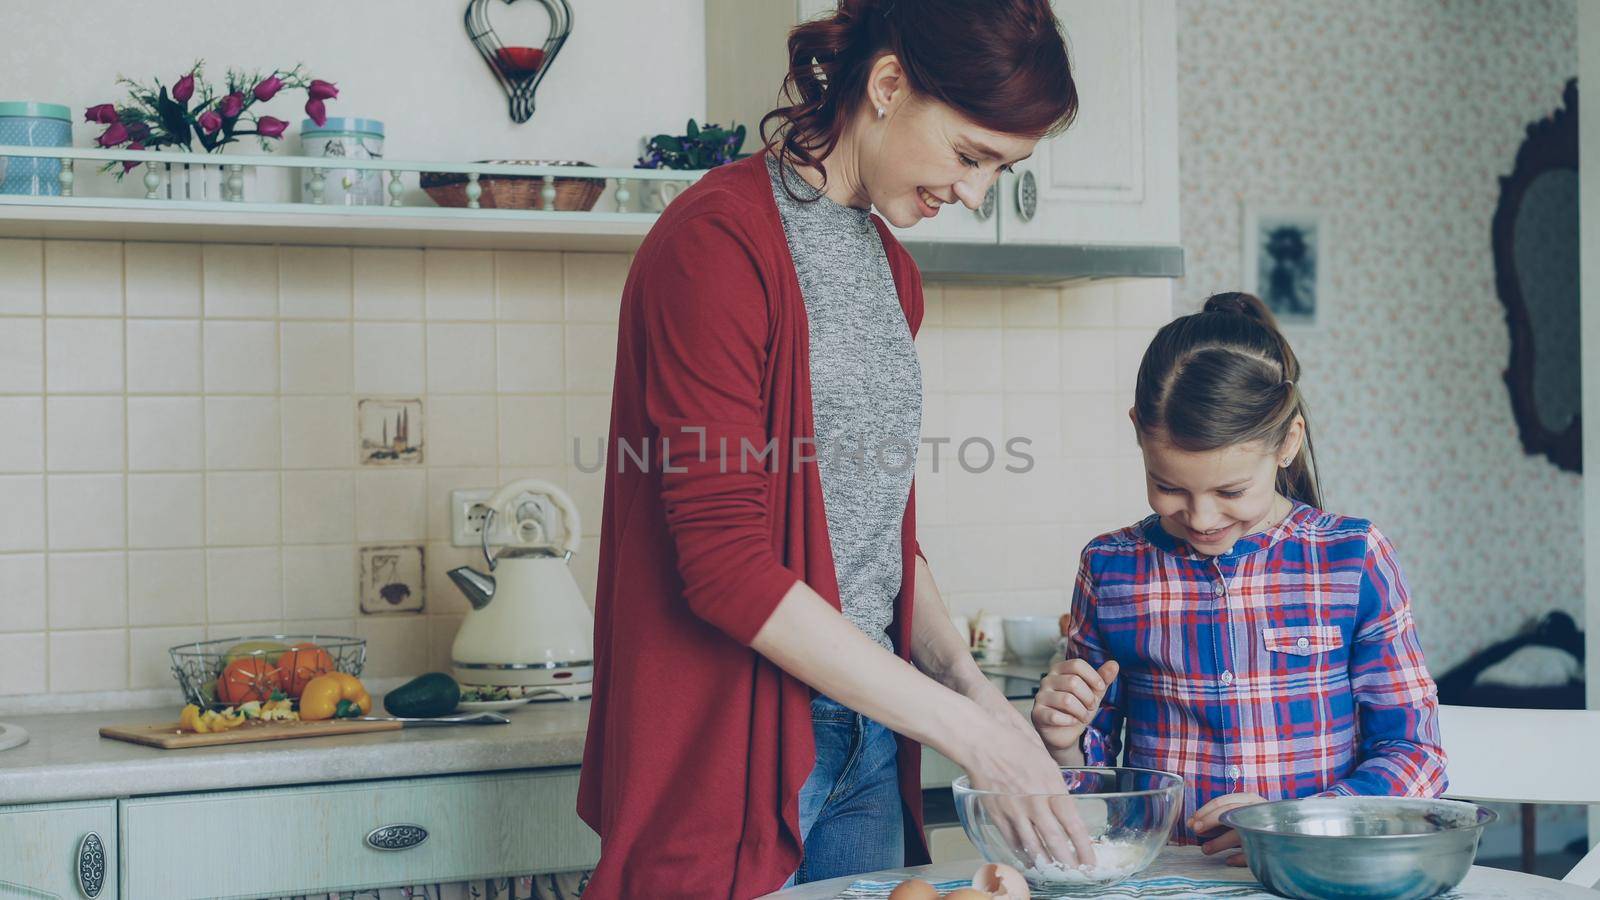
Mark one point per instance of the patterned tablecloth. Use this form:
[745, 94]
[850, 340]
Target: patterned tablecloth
[1179, 872]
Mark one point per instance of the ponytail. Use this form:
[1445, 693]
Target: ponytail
[1225, 376]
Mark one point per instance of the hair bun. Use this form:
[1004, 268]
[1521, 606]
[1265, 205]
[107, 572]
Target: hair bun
[1236, 302]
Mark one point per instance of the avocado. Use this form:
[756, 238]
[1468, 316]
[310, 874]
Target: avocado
[433, 694]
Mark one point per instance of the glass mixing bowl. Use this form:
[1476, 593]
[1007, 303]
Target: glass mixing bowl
[1126, 815]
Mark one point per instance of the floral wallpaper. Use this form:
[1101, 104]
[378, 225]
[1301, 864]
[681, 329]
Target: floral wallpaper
[1395, 119]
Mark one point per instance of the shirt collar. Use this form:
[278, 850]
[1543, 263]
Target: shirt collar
[1250, 543]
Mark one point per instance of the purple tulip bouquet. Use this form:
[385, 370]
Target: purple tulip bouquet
[193, 110]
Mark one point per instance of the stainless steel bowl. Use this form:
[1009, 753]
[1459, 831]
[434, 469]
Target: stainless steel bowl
[1360, 847]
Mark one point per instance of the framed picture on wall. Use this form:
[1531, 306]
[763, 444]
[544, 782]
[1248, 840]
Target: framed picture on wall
[1285, 263]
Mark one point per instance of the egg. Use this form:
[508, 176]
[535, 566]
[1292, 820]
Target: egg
[967, 893]
[1002, 881]
[914, 890]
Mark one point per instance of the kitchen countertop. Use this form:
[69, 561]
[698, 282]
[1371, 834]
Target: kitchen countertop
[66, 759]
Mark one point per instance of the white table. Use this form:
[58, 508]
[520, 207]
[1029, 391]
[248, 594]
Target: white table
[1481, 884]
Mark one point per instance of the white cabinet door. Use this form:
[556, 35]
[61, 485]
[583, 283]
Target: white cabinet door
[1112, 178]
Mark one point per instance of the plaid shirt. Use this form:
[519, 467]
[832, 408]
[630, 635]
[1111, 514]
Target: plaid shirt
[1288, 667]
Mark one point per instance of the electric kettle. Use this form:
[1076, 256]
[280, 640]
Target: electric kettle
[529, 630]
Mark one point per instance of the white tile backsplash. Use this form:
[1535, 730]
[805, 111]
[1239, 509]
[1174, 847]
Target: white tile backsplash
[21, 277]
[166, 510]
[166, 587]
[319, 432]
[22, 437]
[241, 281]
[242, 432]
[243, 585]
[460, 284]
[320, 582]
[528, 286]
[319, 507]
[88, 660]
[531, 358]
[314, 282]
[164, 356]
[591, 357]
[1031, 358]
[150, 659]
[316, 358]
[245, 507]
[88, 590]
[462, 431]
[242, 508]
[390, 506]
[388, 358]
[163, 280]
[23, 661]
[166, 433]
[83, 356]
[83, 278]
[22, 513]
[594, 284]
[22, 592]
[87, 512]
[21, 355]
[388, 284]
[461, 358]
[973, 359]
[241, 357]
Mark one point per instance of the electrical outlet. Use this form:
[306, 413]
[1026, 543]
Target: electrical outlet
[466, 516]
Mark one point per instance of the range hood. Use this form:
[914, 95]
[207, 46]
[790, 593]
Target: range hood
[1042, 263]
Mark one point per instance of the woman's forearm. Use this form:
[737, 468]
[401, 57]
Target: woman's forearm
[810, 640]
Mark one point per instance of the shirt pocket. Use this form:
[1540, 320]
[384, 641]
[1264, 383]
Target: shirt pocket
[1303, 640]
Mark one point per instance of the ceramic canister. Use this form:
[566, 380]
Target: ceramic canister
[32, 124]
[350, 138]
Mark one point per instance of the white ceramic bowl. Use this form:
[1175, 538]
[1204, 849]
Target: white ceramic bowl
[1031, 639]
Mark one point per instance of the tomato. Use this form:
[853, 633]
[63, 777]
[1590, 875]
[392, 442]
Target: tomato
[247, 678]
[301, 663]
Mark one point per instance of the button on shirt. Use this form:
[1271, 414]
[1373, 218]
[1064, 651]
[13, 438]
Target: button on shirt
[1288, 667]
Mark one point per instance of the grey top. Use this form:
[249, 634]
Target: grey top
[866, 395]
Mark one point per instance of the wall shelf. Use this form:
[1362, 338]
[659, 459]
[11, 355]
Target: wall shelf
[119, 214]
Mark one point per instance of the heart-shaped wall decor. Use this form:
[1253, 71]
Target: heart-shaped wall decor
[518, 68]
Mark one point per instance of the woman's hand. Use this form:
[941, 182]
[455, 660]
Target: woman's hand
[1207, 824]
[1009, 759]
[1069, 698]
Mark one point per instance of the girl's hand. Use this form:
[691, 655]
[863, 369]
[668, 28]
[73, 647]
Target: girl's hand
[1068, 699]
[1207, 824]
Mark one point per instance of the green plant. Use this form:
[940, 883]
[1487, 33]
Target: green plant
[698, 148]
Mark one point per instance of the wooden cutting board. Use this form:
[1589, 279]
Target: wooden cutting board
[167, 736]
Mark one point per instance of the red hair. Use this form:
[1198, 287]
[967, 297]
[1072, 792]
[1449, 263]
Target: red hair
[1000, 63]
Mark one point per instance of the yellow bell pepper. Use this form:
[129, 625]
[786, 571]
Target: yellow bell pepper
[320, 699]
[351, 688]
[188, 718]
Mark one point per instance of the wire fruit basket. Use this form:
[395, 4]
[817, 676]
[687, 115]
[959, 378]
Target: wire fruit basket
[199, 665]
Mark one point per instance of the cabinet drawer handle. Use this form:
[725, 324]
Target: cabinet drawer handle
[91, 866]
[396, 837]
[1027, 196]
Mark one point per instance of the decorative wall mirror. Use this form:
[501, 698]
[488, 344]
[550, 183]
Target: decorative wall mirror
[1535, 236]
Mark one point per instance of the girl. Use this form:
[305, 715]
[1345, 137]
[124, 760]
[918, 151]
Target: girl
[1252, 643]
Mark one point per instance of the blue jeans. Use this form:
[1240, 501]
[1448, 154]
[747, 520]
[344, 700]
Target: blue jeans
[850, 806]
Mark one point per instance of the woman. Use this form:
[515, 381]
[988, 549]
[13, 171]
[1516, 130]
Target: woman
[765, 420]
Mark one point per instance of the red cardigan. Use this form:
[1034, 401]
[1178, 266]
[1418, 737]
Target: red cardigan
[697, 744]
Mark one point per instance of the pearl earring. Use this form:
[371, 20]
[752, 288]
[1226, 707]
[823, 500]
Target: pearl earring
[880, 112]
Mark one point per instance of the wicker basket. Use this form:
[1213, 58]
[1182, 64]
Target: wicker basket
[516, 191]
